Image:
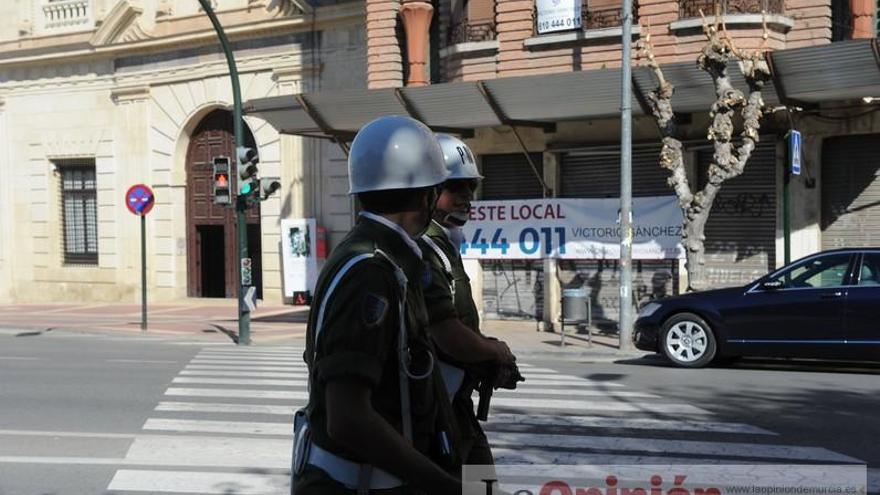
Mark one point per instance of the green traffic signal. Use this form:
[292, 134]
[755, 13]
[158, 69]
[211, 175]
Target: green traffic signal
[247, 188]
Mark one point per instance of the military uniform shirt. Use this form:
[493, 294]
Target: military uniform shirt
[358, 339]
[442, 303]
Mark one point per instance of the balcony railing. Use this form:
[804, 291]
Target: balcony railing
[603, 14]
[692, 8]
[465, 31]
[63, 14]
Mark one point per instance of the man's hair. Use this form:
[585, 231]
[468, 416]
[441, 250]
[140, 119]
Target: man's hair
[392, 200]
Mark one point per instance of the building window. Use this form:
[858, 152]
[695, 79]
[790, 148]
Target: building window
[841, 21]
[471, 21]
[692, 8]
[599, 14]
[79, 214]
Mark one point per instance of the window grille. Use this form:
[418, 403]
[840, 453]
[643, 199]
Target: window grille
[79, 214]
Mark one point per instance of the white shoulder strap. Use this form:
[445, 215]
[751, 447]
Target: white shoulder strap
[447, 265]
[319, 324]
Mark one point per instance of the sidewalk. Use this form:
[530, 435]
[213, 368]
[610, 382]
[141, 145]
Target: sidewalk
[215, 321]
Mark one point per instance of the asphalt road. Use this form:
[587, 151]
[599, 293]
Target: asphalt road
[101, 414]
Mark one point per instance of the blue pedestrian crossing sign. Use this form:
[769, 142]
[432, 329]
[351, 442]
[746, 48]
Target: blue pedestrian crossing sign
[794, 151]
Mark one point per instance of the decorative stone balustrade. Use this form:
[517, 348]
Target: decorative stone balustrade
[66, 14]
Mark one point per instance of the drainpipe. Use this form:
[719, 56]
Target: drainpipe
[416, 16]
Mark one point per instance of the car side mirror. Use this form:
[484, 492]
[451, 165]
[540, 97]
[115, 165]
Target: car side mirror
[772, 285]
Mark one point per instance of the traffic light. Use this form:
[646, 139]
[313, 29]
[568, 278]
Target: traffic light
[247, 171]
[268, 188]
[222, 194]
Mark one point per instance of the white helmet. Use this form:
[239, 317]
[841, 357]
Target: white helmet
[458, 157]
[394, 152]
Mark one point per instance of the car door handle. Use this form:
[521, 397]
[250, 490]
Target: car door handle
[831, 295]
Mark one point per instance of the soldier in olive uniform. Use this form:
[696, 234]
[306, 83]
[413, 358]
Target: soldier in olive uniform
[378, 416]
[455, 322]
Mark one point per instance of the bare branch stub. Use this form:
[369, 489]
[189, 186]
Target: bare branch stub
[660, 101]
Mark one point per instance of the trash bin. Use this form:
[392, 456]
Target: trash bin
[576, 311]
[574, 305]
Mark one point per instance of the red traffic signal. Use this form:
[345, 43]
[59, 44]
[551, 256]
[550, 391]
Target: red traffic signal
[222, 194]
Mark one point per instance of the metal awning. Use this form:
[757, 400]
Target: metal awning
[837, 71]
[845, 70]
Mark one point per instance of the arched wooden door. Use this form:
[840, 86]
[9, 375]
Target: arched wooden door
[211, 241]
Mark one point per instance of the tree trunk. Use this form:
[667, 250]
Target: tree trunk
[694, 237]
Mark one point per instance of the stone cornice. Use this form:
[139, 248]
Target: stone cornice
[128, 84]
[130, 94]
[336, 15]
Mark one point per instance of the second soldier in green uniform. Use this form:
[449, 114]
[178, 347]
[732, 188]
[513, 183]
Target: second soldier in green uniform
[455, 322]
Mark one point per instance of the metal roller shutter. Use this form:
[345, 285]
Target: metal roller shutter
[512, 289]
[851, 191]
[510, 176]
[741, 230]
[595, 173]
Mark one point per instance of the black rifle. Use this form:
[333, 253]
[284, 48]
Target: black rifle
[502, 376]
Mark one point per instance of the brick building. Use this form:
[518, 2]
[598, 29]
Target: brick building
[482, 68]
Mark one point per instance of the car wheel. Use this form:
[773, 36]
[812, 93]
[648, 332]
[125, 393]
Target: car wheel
[687, 341]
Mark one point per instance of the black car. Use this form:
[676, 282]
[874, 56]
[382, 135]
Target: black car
[824, 306]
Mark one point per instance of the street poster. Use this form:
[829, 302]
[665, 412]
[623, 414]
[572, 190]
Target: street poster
[558, 15]
[571, 229]
[298, 237]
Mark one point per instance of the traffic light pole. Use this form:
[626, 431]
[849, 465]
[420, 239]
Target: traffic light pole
[244, 316]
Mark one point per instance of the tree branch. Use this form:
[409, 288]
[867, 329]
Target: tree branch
[660, 101]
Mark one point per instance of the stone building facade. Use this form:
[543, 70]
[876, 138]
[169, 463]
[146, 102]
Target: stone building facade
[98, 95]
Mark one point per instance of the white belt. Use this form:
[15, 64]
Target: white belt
[348, 472]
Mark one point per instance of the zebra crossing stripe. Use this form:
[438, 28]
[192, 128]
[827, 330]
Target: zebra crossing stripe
[522, 390]
[238, 393]
[529, 420]
[250, 357]
[568, 379]
[585, 406]
[659, 446]
[569, 382]
[302, 382]
[204, 451]
[243, 373]
[217, 367]
[213, 483]
[557, 457]
[222, 408]
[240, 362]
[226, 427]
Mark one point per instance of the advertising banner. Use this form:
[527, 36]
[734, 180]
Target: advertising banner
[558, 15]
[571, 229]
[298, 237]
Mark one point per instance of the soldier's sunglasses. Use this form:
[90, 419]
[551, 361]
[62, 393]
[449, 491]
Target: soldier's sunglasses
[460, 185]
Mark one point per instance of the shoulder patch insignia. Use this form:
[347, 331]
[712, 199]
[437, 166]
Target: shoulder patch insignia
[374, 310]
[427, 275]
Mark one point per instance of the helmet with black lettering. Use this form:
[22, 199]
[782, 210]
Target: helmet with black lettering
[395, 152]
[458, 158]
